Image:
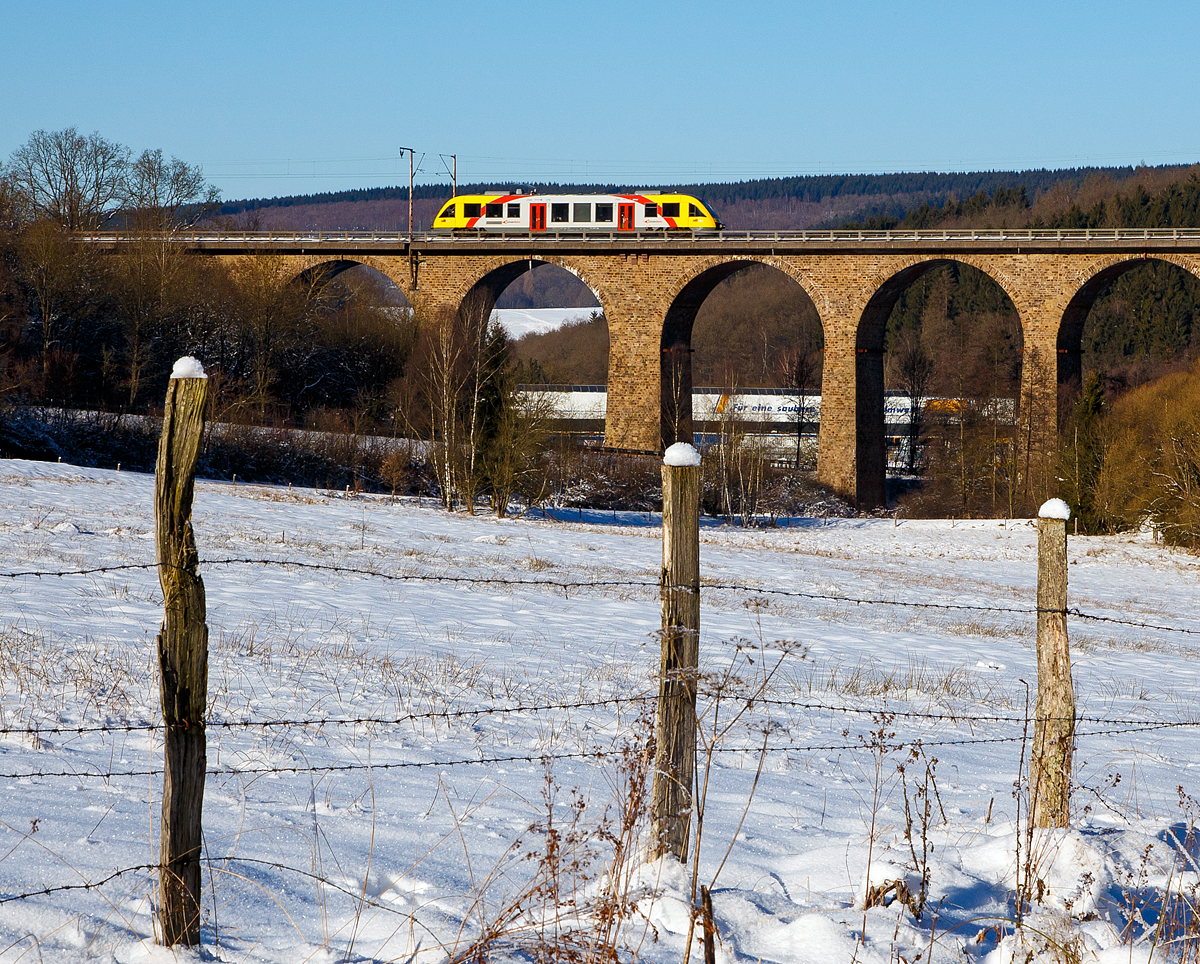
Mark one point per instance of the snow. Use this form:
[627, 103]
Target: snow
[518, 322]
[188, 367]
[1054, 509]
[390, 819]
[681, 453]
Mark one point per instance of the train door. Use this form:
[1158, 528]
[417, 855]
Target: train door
[537, 217]
[625, 217]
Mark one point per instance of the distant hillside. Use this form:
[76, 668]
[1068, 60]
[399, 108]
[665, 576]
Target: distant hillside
[766, 204]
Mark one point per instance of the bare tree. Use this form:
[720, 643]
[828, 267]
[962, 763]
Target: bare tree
[801, 370]
[76, 181]
[158, 192]
[914, 370]
[9, 203]
[443, 378]
[157, 283]
[154, 272]
[272, 306]
[677, 394]
[513, 454]
[738, 459]
[49, 263]
[479, 336]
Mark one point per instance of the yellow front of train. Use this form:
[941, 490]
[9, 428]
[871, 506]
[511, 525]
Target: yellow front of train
[463, 211]
[685, 211]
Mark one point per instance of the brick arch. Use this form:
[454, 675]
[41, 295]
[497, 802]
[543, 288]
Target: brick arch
[879, 292]
[393, 268]
[1086, 284]
[508, 268]
[883, 287]
[813, 288]
[682, 300]
[1080, 276]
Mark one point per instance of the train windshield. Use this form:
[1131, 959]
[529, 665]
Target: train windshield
[707, 211]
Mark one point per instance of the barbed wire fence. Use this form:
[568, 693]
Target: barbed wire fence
[576, 585]
[1098, 726]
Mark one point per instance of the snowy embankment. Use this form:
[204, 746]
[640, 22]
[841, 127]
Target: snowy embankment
[519, 322]
[383, 744]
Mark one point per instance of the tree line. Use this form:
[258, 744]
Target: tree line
[101, 330]
[85, 329]
[931, 185]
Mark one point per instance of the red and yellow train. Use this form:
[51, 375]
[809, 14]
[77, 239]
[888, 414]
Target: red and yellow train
[534, 213]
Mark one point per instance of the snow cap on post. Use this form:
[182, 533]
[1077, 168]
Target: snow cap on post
[681, 454]
[188, 367]
[1054, 509]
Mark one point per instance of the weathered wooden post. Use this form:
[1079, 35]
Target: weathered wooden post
[182, 655]
[1054, 715]
[675, 731]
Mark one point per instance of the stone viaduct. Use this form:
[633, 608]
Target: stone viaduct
[651, 287]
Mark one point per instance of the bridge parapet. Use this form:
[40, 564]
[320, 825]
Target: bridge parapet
[1009, 238]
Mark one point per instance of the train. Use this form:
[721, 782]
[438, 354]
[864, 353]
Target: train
[575, 213]
[783, 425]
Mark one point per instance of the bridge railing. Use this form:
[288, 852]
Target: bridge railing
[243, 239]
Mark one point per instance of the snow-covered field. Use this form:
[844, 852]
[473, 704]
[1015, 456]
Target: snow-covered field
[396, 807]
[518, 322]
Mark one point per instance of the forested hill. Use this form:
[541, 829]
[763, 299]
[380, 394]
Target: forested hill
[826, 200]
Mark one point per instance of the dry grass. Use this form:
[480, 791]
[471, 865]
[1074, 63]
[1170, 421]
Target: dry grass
[583, 895]
[935, 682]
[327, 657]
[46, 678]
[986, 630]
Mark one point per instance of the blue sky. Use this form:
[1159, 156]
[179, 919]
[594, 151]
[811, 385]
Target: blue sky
[296, 97]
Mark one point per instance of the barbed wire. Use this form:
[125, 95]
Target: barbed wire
[85, 885]
[830, 597]
[210, 861]
[541, 758]
[330, 768]
[886, 744]
[1078, 614]
[964, 717]
[567, 586]
[321, 722]
[875, 745]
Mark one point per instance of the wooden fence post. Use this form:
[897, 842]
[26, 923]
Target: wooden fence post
[182, 655]
[1054, 715]
[675, 731]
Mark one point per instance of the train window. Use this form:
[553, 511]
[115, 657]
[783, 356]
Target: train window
[651, 210]
[694, 211]
[670, 210]
[494, 210]
[448, 211]
[470, 210]
[604, 212]
[559, 212]
[582, 212]
[514, 210]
